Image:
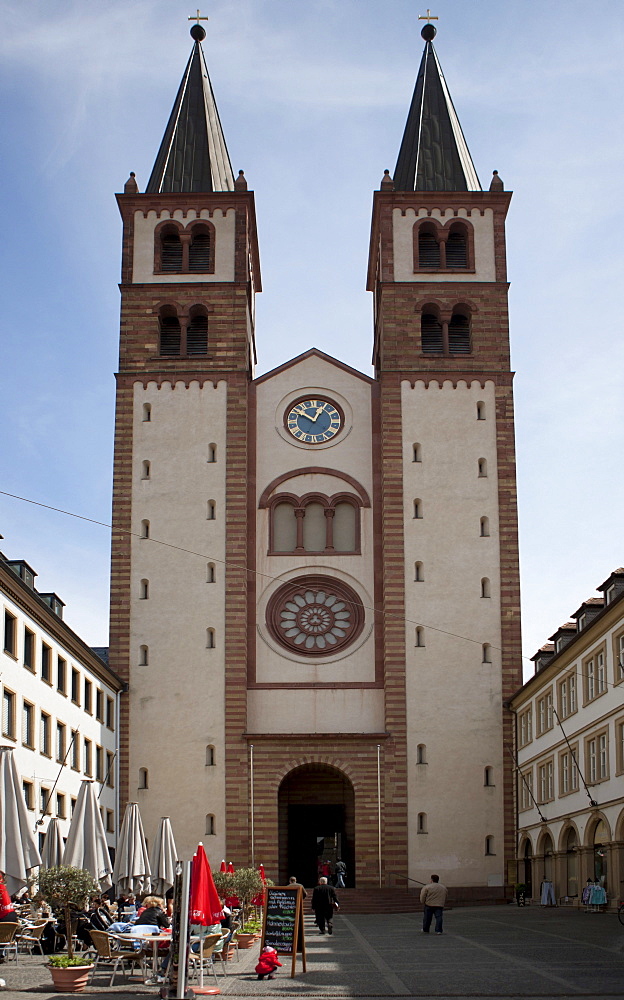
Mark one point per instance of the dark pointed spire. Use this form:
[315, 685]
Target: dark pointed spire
[193, 155]
[433, 155]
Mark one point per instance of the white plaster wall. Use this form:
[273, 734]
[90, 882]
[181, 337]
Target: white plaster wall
[177, 700]
[454, 700]
[33, 765]
[350, 452]
[143, 260]
[403, 240]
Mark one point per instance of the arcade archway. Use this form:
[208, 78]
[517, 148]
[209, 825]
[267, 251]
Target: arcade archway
[316, 804]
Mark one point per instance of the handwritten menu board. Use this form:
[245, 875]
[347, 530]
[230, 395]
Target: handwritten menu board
[283, 922]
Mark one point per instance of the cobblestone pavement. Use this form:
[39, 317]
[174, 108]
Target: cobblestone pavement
[494, 952]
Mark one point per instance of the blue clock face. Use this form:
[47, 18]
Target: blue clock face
[314, 421]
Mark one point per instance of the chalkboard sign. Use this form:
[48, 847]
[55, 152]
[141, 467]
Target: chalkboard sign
[282, 928]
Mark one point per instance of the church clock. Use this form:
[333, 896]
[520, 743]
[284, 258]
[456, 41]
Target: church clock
[314, 421]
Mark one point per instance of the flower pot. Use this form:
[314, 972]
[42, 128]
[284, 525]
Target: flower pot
[246, 940]
[70, 980]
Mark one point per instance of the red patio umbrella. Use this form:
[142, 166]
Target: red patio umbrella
[261, 873]
[223, 866]
[230, 868]
[205, 905]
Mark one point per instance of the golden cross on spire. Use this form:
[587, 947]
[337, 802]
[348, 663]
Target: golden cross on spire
[428, 17]
[197, 17]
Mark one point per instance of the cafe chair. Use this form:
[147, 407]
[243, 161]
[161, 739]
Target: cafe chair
[107, 954]
[204, 956]
[30, 937]
[8, 943]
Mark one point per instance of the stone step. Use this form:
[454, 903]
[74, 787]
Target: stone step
[398, 900]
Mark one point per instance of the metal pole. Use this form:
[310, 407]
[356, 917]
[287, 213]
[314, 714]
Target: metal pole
[251, 800]
[379, 807]
[184, 927]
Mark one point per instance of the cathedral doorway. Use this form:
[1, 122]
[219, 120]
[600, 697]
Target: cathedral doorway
[316, 805]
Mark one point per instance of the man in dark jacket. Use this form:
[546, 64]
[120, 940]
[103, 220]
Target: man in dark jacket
[324, 902]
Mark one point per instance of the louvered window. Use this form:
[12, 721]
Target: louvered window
[459, 335]
[200, 252]
[197, 336]
[456, 250]
[428, 250]
[170, 252]
[431, 334]
[169, 336]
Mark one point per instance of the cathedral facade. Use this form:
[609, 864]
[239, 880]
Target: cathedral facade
[315, 593]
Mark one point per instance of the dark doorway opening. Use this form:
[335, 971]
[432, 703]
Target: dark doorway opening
[316, 823]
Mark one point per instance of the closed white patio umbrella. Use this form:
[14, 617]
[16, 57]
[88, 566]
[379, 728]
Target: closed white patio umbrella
[132, 867]
[86, 845]
[18, 848]
[52, 852]
[163, 858]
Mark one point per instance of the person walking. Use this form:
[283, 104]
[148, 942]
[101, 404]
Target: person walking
[293, 884]
[324, 902]
[433, 896]
[341, 874]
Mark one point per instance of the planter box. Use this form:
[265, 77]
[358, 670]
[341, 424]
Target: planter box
[71, 980]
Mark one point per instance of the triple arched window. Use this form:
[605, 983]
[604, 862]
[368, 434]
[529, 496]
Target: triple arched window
[314, 523]
[185, 336]
[445, 335]
[443, 248]
[184, 251]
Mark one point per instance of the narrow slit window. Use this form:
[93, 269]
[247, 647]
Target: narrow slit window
[486, 653]
[144, 590]
[211, 510]
[488, 776]
[422, 823]
[143, 656]
[489, 846]
[420, 636]
[212, 453]
[146, 470]
[211, 641]
[485, 587]
[417, 453]
[145, 529]
[482, 468]
[421, 754]
[418, 509]
[480, 411]
[210, 825]
[210, 577]
[210, 756]
[484, 524]
[143, 777]
[147, 412]
[419, 572]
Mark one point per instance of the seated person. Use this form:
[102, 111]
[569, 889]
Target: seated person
[152, 914]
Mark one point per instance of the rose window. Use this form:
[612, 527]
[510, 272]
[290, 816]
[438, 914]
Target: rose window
[315, 616]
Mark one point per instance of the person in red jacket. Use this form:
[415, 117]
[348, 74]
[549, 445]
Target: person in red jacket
[7, 910]
[268, 963]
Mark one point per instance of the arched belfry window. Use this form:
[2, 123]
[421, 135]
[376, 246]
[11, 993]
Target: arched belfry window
[197, 335]
[201, 249]
[431, 334]
[428, 248]
[459, 334]
[170, 250]
[457, 247]
[170, 333]
[314, 523]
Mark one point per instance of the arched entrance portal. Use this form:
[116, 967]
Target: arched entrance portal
[316, 806]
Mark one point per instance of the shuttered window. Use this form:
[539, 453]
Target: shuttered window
[200, 252]
[456, 250]
[197, 336]
[459, 335]
[170, 252]
[431, 334]
[428, 250]
[169, 336]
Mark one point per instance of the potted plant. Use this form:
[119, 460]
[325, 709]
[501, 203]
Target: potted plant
[65, 887]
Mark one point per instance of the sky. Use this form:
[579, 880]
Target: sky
[313, 96]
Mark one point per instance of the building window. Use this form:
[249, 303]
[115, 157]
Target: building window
[489, 845]
[61, 675]
[457, 247]
[488, 776]
[544, 713]
[618, 656]
[595, 676]
[45, 734]
[619, 746]
[28, 716]
[143, 777]
[431, 337]
[211, 511]
[485, 587]
[110, 713]
[60, 742]
[110, 769]
[75, 750]
[428, 249]
[147, 412]
[416, 453]
[143, 656]
[201, 249]
[144, 590]
[8, 714]
[72, 805]
[211, 827]
[197, 336]
[99, 764]
[29, 794]
[60, 805]
[211, 641]
[170, 337]
[45, 801]
[314, 524]
[145, 529]
[419, 572]
[418, 509]
[146, 470]
[421, 754]
[212, 453]
[210, 756]
[99, 705]
[170, 250]
[545, 781]
[75, 686]
[482, 468]
[210, 573]
[421, 825]
[420, 636]
[480, 410]
[29, 649]
[10, 628]
[110, 821]
[567, 696]
[526, 727]
[526, 789]
[88, 696]
[568, 771]
[459, 334]
[484, 527]
[486, 653]
[597, 758]
[87, 751]
[46, 663]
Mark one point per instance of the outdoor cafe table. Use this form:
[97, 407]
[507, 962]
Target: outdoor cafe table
[145, 939]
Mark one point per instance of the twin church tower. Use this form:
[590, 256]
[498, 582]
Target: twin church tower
[315, 594]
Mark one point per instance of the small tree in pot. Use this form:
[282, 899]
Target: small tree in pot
[65, 887]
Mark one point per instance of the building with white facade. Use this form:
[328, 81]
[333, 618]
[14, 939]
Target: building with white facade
[60, 704]
[570, 753]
